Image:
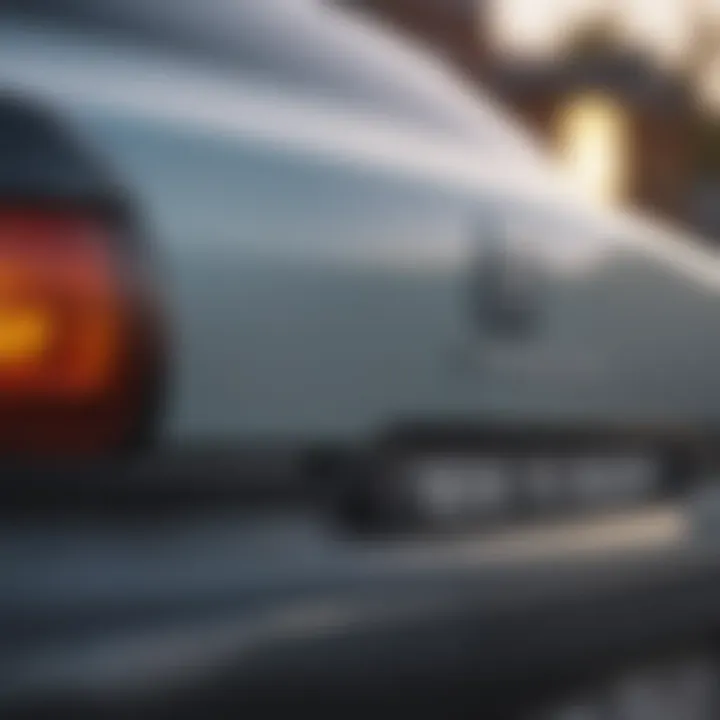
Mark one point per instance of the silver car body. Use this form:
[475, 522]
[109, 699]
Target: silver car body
[317, 191]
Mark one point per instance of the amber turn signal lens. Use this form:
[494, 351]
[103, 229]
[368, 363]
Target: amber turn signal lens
[59, 306]
[69, 356]
[25, 336]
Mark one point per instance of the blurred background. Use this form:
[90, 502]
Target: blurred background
[625, 92]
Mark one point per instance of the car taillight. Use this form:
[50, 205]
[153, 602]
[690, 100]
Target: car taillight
[74, 346]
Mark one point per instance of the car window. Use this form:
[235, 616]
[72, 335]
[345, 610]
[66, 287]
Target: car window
[318, 47]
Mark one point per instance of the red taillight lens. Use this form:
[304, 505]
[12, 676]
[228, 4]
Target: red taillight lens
[69, 356]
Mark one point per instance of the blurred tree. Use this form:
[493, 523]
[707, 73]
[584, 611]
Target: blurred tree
[707, 131]
[597, 37]
[707, 147]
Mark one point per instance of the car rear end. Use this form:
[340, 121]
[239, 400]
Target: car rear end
[314, 302]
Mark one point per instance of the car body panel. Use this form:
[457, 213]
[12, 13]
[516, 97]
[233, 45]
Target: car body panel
[315, 258]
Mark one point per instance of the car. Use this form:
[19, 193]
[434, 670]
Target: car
[267, 248]
[276, 235]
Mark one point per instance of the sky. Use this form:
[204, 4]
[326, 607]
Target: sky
[663, 26]
[539, 24]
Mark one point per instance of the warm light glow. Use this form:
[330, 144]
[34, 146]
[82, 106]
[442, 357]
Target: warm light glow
[593, 143]
[59, 317]
[24, 335]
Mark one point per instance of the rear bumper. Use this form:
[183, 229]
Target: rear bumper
[351, 479]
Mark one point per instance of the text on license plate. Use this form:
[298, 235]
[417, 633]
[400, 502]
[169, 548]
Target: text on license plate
[455, 486]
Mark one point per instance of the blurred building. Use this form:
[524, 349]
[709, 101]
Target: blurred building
[621, 121]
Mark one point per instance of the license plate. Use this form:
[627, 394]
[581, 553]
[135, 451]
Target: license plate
[454, 488]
